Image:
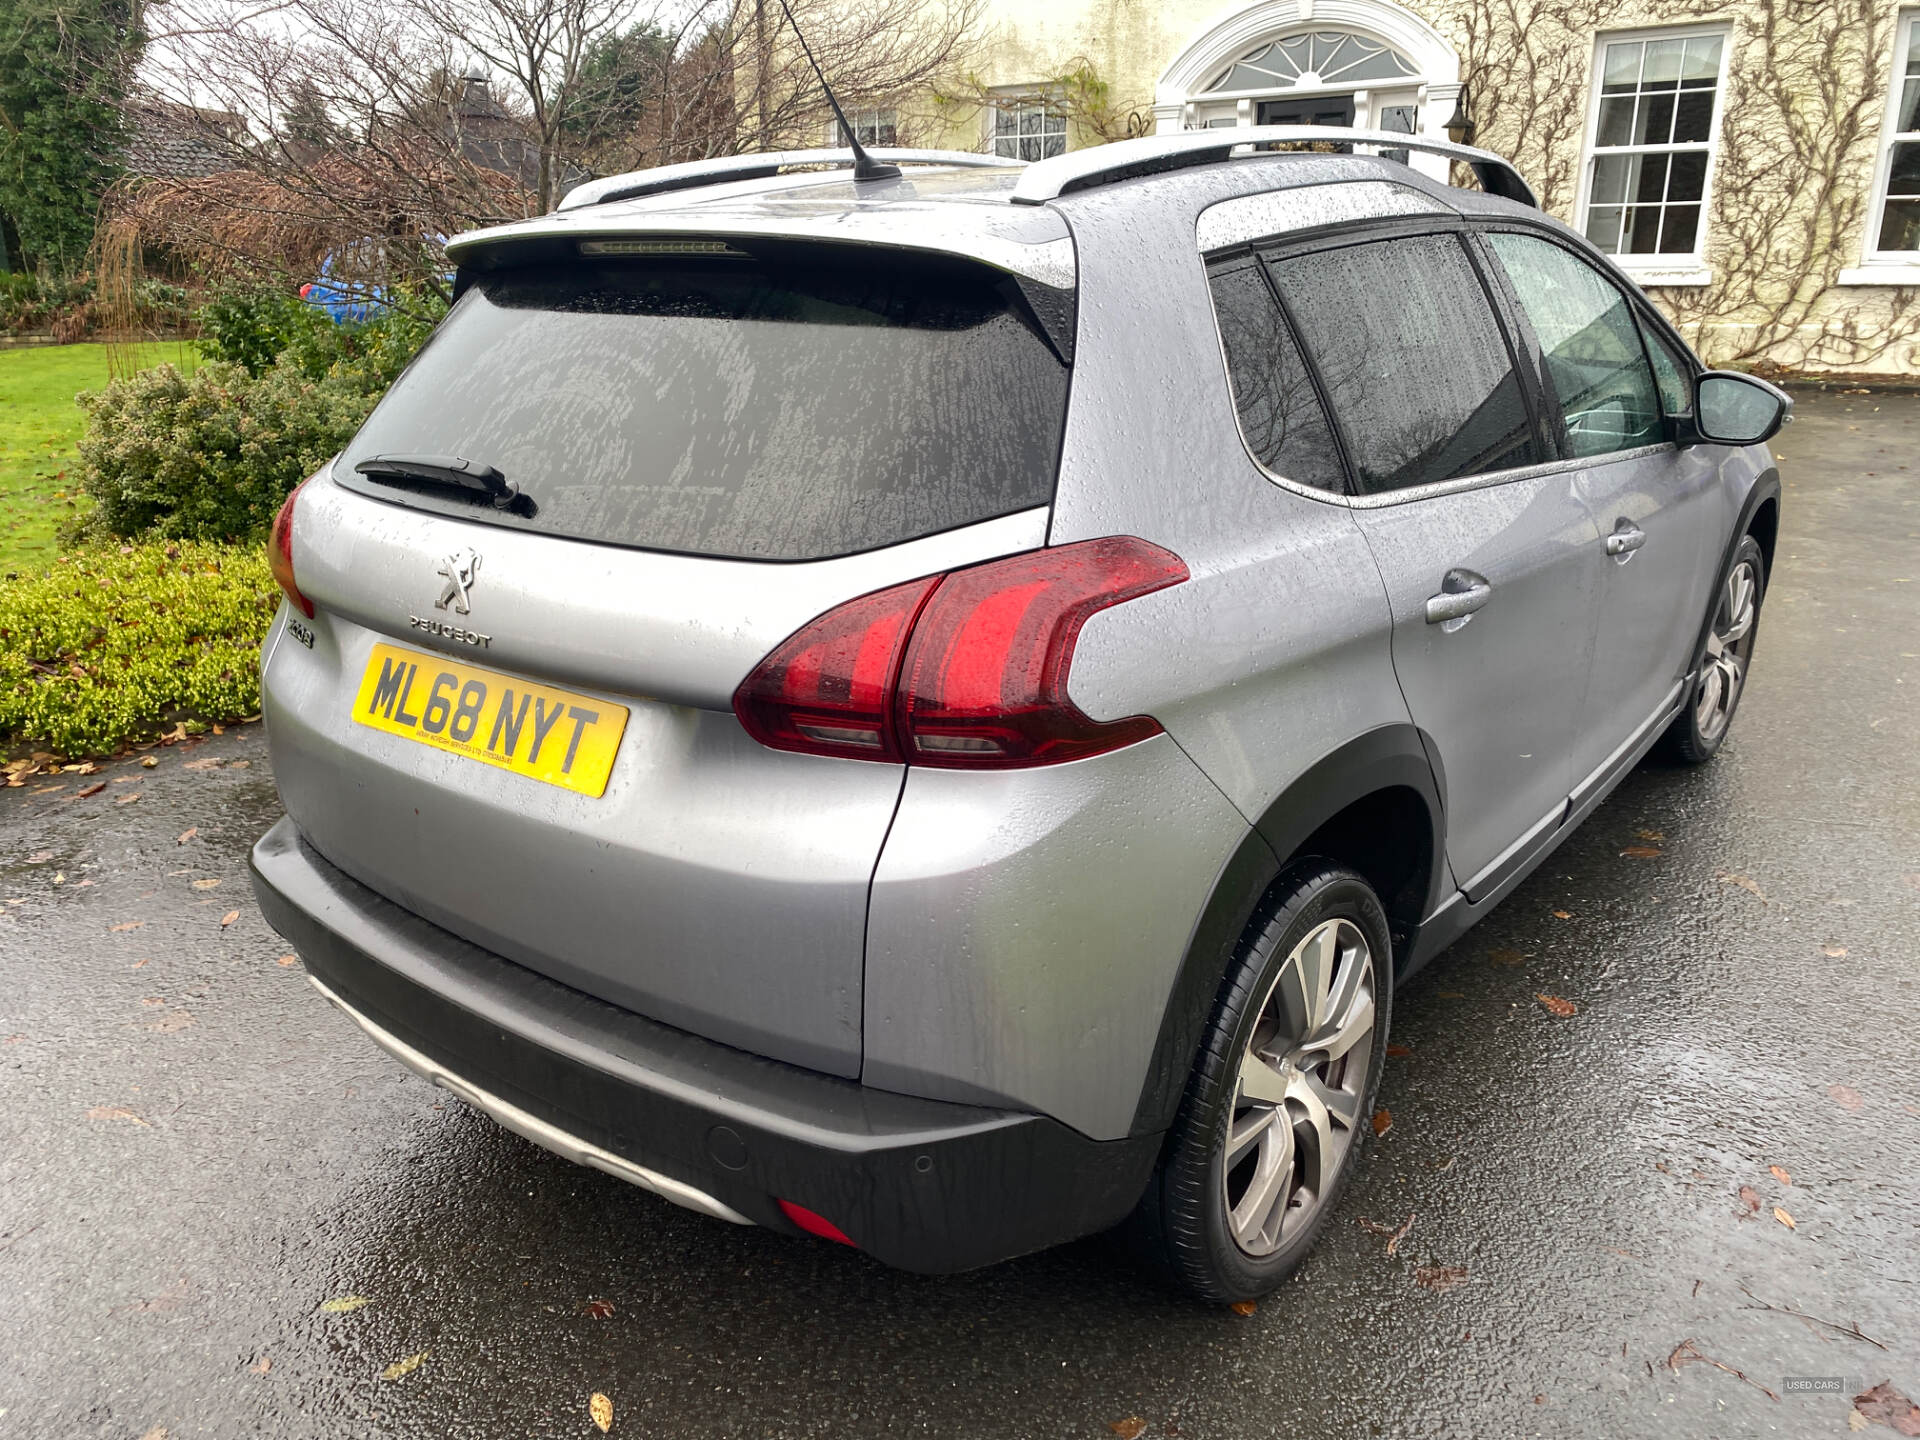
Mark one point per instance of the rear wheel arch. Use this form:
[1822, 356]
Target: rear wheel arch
[1334, 810]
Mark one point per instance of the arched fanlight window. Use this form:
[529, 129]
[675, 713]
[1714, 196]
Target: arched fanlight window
[1325, 57]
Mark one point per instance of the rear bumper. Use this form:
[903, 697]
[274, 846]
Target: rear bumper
[924, 1185]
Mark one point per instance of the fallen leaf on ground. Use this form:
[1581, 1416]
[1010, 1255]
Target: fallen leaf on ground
[1889, 1407]
[205, 884]
[1857, 1421]
[158, 1432]
[143, 960]
[599, 1309]
[289, 959]
[1727, 877]
[1504, 956]
[1439, 1277]
[1244, 1307]
[93, 789]
[1131, 1428]
[1382, 1121]
[1641, 852]
[1451, 994]
[204, 763]
[1834, 952]
[114, 1112]
[1784, 1218]
[1399, 1052]
[1780, 1174]
[1563, 914]
[228, 918]
[187, 834]
[1844, 1096]
[126, 925]
[147, 762]
[39, 857]
[262, 1365]
[1651, 836]
[406, 1366]
[126, 799]
[342, 1304]
[1750, 1198]
[600, 1411]
[1556, 1006]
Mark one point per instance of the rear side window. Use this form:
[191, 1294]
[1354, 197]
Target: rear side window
[730, 407]
[1594, 360]
[1413, 361]
[1280, 415]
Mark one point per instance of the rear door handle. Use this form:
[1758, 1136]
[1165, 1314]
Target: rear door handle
[1461, 593]
[1626, 538]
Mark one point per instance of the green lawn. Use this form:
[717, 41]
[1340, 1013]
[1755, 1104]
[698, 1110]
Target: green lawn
[39, 429]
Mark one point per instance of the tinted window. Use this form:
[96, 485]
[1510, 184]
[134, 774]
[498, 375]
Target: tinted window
[729, 407]
[1413, 361]
[1671, 372]
[1279, 413]
[1595, 364]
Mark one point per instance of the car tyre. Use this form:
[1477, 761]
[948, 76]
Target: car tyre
[1281, 1096]
[1720, 667]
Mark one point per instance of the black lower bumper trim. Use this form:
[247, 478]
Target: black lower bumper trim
[920, 1184]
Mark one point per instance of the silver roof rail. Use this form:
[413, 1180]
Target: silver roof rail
[1045, 180]
[694, 173]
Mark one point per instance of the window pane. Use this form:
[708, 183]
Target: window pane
[1693, 116]
[1910, 105]
[1900, 225]
[1414, 364]
[1599, 373]
[1651, 183]
[1702, 62]
[1006, 121]
[1682, 224]
[1279, 412]
[1643, 230]
[1663, 64]
[1688, 177]
[1603, 227]
[1622, 68]
[1616, 121]
[1610, 176]
[1656, 120]
[1670, 372]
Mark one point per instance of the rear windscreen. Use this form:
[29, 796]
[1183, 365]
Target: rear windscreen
[733, 407]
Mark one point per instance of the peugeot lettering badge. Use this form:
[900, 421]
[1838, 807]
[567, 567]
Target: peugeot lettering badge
[459, 570]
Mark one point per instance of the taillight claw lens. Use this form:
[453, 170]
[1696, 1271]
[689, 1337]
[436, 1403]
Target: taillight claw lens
[961, 671]
[280, 552]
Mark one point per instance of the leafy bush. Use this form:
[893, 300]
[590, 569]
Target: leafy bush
[250, 327]
[31, 303]
[368, 356]
[207, 456]
[113, 644]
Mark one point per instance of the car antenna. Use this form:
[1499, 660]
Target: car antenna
[865, 167]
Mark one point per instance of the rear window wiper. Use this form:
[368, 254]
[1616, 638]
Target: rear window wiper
[466, 477]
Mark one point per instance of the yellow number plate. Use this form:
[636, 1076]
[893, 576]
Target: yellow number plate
[545, 734]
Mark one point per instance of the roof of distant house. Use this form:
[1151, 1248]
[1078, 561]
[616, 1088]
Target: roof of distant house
[181, 142]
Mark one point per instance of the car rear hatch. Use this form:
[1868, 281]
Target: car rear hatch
[614, 480]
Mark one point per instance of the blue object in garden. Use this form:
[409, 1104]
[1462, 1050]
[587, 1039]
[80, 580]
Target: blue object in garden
[345, 302]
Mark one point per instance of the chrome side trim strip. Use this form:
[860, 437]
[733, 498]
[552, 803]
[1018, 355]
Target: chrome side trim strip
[1628, 753]
[532, 1127]
[1514, 855]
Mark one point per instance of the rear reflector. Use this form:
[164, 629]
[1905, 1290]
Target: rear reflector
[814, 1224]
[280, 552]
[960, 671]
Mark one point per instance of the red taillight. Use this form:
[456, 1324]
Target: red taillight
[280, 552]
[814, 1224]
[967, 670]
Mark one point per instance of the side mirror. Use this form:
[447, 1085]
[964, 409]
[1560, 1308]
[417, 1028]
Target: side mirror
[1734, 409]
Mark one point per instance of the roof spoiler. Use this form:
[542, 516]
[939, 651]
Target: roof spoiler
[1156, 154]
[694, 173]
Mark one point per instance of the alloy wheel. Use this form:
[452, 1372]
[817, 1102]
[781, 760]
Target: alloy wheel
[1729, 647]
[1300, 1088]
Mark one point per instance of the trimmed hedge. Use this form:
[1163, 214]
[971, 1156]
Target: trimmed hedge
[113, 644]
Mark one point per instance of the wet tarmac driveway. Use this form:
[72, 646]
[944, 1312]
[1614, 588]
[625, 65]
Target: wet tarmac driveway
[197, 1154]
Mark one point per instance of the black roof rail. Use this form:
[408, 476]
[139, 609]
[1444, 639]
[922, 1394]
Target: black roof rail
[719, 170]
[1046, 180]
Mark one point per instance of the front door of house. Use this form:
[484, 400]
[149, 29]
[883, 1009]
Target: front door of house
[1321, 110]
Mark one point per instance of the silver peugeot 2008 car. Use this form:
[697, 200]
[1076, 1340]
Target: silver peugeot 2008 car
[934, 711]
